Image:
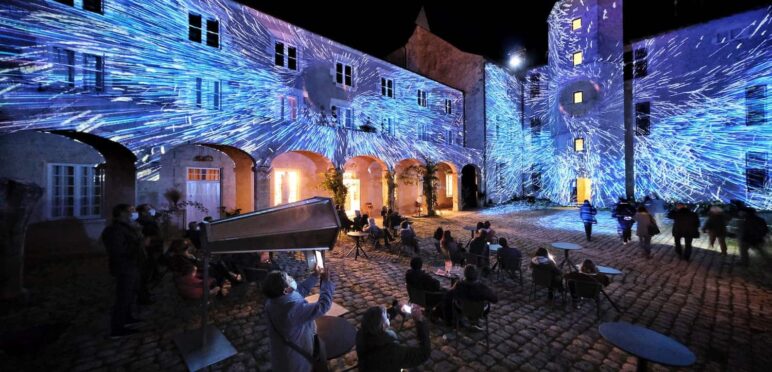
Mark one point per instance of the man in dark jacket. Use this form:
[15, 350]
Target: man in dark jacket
[686, 225]
[753, 230]
[378, 347]
[478, 247]
[470, 289]
[419, 279]
[123, 242]
[587, 213]
[624, 213]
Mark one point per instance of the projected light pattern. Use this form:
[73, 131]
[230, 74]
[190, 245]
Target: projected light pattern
[569, 221]
[162, 90]
[695, 85]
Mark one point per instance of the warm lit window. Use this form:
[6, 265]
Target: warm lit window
[577, 58]
[203, 174]
[448, 185]
[576, 24]
[578, 97]
[285, 186]
[579, 144]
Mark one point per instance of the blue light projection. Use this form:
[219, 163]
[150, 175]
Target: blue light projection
[162, 89]
[695, 83]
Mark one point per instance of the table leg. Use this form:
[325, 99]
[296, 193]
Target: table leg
[609, 300]
[360, 248]
[642, 365]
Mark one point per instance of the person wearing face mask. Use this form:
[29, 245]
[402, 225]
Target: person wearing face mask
[291, 326]
[123, 241]
[378, 347]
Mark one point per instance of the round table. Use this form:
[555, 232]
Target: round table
[606, 270]
[357, 235]
[471, 229]
[647, 345]
[566, 247]
[338, 334]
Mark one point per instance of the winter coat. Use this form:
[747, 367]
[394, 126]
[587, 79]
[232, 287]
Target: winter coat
[685, 223]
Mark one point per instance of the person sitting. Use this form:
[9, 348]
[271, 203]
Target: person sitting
[480, 226]
[587, 271]
[407, 236]
[470, 289]
[193, 234]
[376, 232]
[543, 261]
[450, 249]
[480, 250]
[345, 222]
[507, 254]
[378, 347]
[416, 278]
[395, 219]
[191, 286]
[438, 239]
[489, 231]
[358, 221]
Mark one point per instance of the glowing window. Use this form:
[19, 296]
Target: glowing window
[448, 185]
[579, 144]
[578, 97]
[577, 58]
[285, 186]
[576, 24]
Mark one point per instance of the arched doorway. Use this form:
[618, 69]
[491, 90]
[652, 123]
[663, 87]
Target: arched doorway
[408, 196]
[297, 175]
[364, 178]
[447, 186]
[469, 186]
[245, 176]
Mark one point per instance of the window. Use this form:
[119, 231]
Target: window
[422, 98]
[535, 85]
[66, 2]
[203, 174]
[643, 118]
[423, 132]
[199, 83]
[387, 87]
[387, 126]
[285, 56]
[343, 116]
[579, 144]
[535, 181]
[724, 36]
[641, 64]
[343, 74]
[756, 170]
[93, 72]
[755, 105]
[74, 190]
[289, 108]
[577, 58]
[451, 137]
[217, 95]
[93, 6]
[213, 33]
[64, 68]
[576, 24]
[578, 97]
[448, 185]
[448, 107]
[194, 27]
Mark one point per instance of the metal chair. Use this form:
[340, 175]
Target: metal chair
[513, 267]
[472, 311]
[585, 288]
[542, 277]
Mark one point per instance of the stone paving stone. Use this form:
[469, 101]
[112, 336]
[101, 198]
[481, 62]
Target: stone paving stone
[721, 311]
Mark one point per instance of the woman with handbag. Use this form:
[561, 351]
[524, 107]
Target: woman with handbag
[295, 346]
[647, 228]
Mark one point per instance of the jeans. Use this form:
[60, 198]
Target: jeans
[627, 234]
[125, 290]
[588, 230]
[645, 244]
[688, 244]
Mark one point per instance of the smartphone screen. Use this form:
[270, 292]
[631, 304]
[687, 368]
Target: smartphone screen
[319, 259]
[310, 260]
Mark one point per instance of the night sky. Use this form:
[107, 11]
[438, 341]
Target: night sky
[491, 30]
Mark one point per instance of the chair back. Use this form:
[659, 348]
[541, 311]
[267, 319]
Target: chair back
[416, 296]
[432, 299]
[585, 288]
[511, 262]
[542, 277]
[472, 310]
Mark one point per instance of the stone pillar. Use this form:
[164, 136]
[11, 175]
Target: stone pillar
[262, 187]
[17, 200]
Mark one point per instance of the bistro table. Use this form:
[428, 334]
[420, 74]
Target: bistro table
[357, 235]
[647, 345]
[471, 230]
[335, 309]
[454, 274]
[566, 247]
[338, 335]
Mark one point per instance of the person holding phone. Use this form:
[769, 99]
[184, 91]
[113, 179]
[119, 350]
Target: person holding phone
[291, 328]
[379, 348]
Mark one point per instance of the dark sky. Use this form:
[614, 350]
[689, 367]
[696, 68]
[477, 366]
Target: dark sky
[491, 29]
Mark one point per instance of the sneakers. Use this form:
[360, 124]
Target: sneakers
[122, 334]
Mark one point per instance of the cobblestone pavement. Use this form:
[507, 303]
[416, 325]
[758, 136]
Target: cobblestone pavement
[719, 310]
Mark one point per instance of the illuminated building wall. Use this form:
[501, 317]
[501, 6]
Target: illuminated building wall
[132, 74]
[701, 100]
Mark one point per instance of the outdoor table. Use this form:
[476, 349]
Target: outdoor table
[566, 247]
[647, 345]
[357, 235]
[471, 230]
[335, 309]
[455, 273]
[338, 335]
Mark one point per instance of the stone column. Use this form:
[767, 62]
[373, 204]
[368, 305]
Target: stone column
[17, 200]
[262, 187]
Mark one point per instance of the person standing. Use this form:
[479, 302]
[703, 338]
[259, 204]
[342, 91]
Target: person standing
[624, 213]
[715, 227]
[123, 242]
[686, 225]
[752, 232]
[587, 213]
[291, 319]
[646, 226]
